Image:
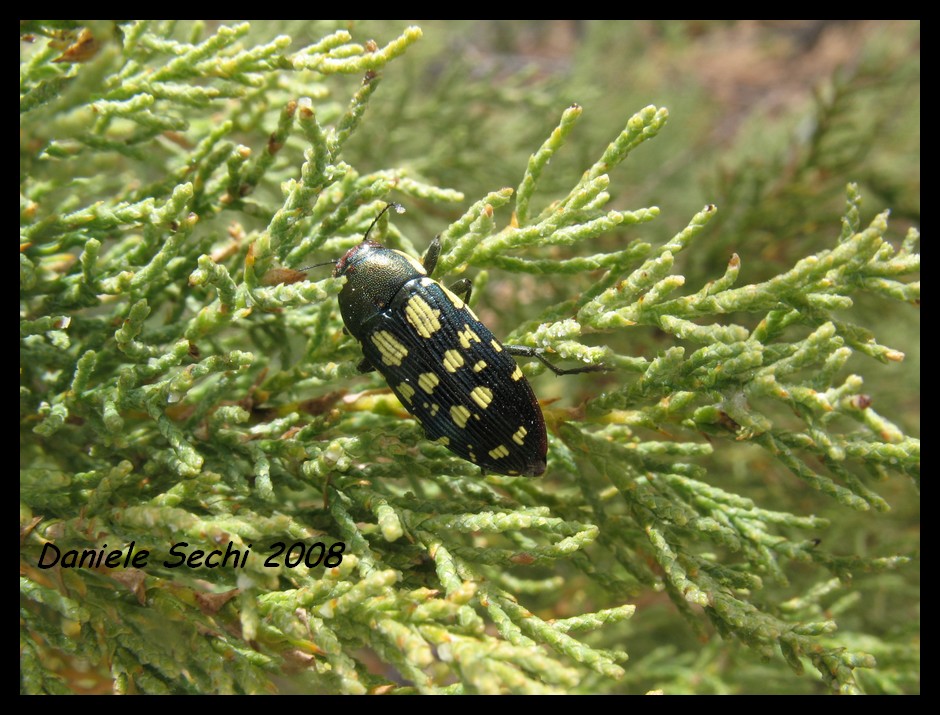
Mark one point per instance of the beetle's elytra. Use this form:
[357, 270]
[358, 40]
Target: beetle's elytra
[445, 366]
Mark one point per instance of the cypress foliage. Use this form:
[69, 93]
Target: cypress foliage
[230, 507]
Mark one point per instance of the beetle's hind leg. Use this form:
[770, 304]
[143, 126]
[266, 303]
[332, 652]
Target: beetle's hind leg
[539, 354]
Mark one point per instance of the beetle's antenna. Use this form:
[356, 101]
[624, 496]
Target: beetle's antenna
[398, 209]
[317, 265]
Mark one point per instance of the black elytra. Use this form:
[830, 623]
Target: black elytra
[443, 364]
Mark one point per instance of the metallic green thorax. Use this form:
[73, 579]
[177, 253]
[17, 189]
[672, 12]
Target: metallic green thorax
[374, 274]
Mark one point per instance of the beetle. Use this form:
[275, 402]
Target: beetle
[444, 365]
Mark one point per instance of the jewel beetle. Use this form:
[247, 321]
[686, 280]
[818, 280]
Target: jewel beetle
[443, 364]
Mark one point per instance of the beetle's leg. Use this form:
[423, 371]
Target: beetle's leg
[539, 354]
[463, 286]
[430, 257]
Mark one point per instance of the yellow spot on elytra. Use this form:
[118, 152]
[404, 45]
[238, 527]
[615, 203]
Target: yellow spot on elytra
[428, 381]
[499, 451]
[466, 336]
[459, 414]
[516, 374]
[443, 440]
[406, 391]
[423, 317]
[434, 408]
[393, 352]
[453, 360]
[479, 366]
[496, 346]
[519, 435]
[483, 396]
